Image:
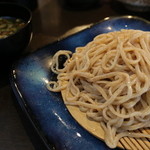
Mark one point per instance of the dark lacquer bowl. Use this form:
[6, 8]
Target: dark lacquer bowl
[13, 45]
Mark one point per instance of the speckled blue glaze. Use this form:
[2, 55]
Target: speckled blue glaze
[46, 109]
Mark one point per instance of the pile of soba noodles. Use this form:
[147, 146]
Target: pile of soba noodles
[109, 80]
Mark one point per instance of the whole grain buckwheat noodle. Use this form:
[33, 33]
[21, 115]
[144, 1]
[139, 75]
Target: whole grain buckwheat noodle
[109, 80]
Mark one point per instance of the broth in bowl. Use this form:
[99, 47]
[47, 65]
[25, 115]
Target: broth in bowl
[9, 26]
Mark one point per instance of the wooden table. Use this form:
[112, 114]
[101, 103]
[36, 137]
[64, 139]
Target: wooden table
[51, 20]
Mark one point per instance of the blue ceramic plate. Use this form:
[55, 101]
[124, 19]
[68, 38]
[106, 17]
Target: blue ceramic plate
[45, 110]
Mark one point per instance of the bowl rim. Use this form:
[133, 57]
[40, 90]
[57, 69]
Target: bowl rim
[134, 3]
[26, 23]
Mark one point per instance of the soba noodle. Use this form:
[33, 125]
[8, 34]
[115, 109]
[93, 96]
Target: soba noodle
[109, 80]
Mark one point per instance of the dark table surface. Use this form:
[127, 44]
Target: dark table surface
[51, 20]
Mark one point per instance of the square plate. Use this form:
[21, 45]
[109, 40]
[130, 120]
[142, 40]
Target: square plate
[45, 110]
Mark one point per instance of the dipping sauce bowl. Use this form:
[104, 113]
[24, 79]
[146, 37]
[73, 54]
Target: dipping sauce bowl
[19, 36]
